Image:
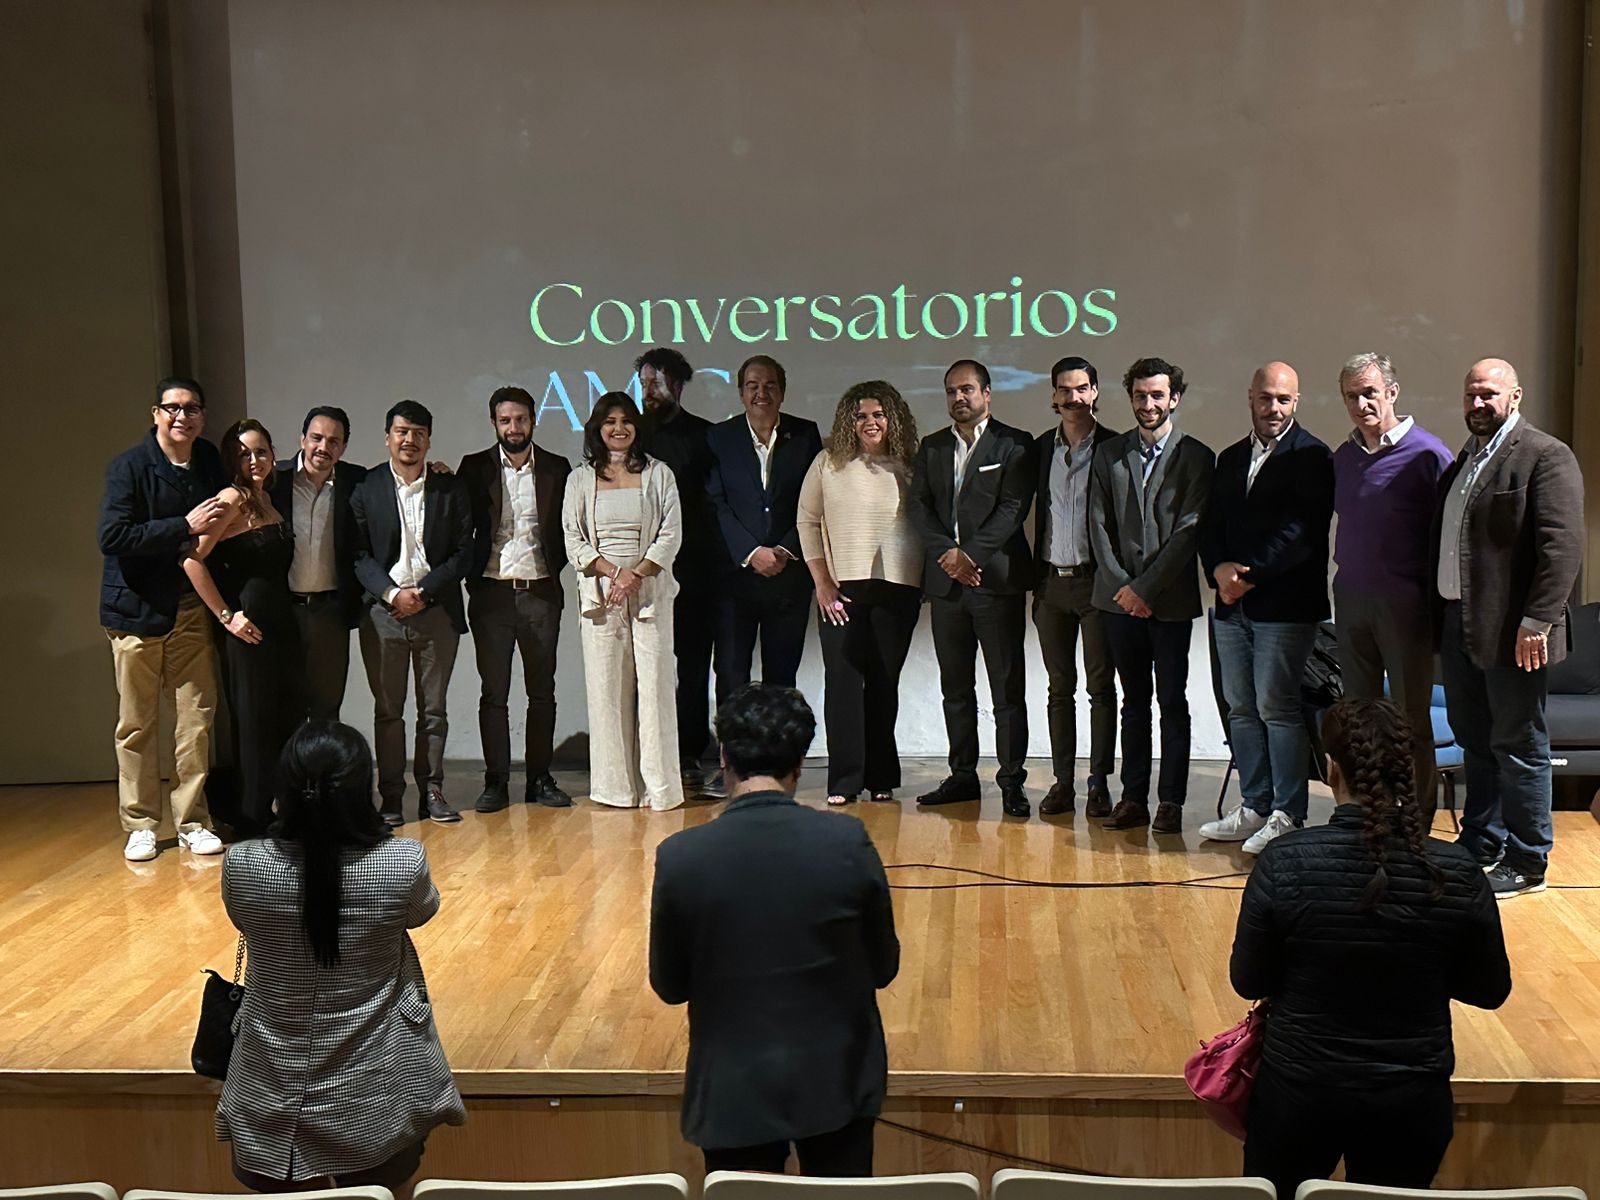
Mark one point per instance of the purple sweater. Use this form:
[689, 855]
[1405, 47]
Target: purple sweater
[1385, 504]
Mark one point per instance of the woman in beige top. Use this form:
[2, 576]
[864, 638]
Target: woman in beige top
[867, 563]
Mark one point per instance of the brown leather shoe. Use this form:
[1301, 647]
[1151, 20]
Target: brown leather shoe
[1128, 815]
[1169, 818]
[1057, 801]
[1099, 806]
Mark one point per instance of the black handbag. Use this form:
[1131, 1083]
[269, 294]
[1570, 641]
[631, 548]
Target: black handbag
[219, 1008]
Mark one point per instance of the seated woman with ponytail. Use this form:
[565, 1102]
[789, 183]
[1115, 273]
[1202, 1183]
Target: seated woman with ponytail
[1359, 934]
[337, 1073]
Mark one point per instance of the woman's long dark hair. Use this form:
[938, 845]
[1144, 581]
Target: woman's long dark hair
[1371, 742]
[594, 446]
[324, 805]
[233, 462]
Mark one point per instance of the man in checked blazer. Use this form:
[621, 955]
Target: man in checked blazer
[970, 492]
[414, 549]
[1148, 489]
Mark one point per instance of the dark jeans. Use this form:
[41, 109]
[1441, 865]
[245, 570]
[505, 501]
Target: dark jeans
[694, 631]
[325, 640]
[392, 1174]
[394, 650]
[1389, 1134]
[962, 625]
[1263, 663]
[528, 620]
[861, 663]
[1061, 609]
[1390, 636]
[1144, 647]
[1497, 715]
[843, 1154]
[752, 608]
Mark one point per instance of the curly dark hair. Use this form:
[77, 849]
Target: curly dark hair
[900, 444]
[233, 462]
[1370, 740]
[594, 444]
[1149, 368]
[666, 361]
[765, 730]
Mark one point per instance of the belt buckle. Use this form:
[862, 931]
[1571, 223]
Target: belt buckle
[521, 585]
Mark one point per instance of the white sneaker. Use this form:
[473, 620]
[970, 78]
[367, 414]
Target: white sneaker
[1278, 824]
[1235, 827]
[141, 846]
[201, 841]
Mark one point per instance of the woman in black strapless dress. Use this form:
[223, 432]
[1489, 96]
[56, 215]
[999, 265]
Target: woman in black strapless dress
[242, 574]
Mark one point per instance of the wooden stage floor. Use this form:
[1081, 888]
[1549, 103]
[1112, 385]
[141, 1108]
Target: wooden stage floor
[1068, 1000]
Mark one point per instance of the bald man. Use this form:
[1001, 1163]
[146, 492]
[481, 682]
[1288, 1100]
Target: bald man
[1264, 547]
[1508, 539]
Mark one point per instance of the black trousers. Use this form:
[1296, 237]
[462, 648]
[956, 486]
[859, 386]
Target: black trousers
[325, 640]
[752, 609]
[861, 663]
[843, 1154]
[1392, 636]
[1390, 1135]
[504, 619]
[1061, 611]
[694, 634]
[1142, 648]
[962, 625]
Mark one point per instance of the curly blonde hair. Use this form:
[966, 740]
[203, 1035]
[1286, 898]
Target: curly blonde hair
[900, 444]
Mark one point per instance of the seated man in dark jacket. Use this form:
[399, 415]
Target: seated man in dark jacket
[774, 923]
[1360, 933]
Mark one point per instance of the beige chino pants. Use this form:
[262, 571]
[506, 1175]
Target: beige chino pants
[630, 673]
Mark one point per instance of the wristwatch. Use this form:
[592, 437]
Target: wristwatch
[225, 615]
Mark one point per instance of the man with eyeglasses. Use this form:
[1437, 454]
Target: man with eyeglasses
[160, 496]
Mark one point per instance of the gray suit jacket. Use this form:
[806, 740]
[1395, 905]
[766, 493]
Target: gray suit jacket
[1146, 535]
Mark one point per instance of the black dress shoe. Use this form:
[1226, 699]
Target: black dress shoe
[544, 790]
[1099, 806]
[1169, 818]
[495, 797]
[1057, 801]
[389, 810]
[1014, 803]
[438, 809]
[951, 791]
[1128, 814]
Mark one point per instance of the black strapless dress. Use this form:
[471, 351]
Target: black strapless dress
[263, 681]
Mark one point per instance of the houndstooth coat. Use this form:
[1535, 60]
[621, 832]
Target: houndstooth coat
[334, 1070]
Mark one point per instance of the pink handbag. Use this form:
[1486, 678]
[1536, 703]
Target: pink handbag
[1223, 1071]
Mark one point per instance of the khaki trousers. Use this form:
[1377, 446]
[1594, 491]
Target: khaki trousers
[630, 674]
[183, 665]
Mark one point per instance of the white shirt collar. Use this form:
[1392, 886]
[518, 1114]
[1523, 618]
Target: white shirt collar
[1272, 444]
[977, 432]
[1390, 438]
[402, 486]
[507, 465]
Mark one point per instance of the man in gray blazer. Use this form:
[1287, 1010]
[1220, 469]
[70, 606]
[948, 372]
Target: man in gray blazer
[1147, 490]
[1508, 540]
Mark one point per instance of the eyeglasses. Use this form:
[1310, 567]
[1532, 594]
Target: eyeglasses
[182, 410]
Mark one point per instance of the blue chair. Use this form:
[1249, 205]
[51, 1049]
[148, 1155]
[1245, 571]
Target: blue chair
[1448, 757]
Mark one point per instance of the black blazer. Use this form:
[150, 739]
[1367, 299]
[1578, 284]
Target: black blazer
[486, 490]
[1279, 530]
[345, 535]
[996, 490]
[144, 533]
[1044, 449]
[446, 537]
[750, 515]
[774, 923]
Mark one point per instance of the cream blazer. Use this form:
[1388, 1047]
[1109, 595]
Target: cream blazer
[660, 534]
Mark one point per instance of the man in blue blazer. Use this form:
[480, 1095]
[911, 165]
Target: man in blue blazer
[759, 460]
[1264, 547]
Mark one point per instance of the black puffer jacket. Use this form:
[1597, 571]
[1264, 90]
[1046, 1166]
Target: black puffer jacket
[1360, 996]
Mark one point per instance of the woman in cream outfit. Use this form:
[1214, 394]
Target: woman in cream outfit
[623, 528]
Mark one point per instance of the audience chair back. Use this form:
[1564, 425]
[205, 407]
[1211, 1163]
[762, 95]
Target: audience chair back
[1049, 1185]
[344, 1193]
[742, 1185]
[626, 1187]
[1327, 1189]
[62, 1191]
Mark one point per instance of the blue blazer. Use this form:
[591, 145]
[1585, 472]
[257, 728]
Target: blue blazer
[144, 534]
[750, 515]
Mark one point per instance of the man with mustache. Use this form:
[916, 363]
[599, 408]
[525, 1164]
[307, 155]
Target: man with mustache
[1264, 546]
[514, 594]
[1509, 540]
[1385, 490]
[1063, 598]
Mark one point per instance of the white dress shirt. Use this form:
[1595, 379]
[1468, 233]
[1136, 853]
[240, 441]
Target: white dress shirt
[1261, 451]
[963, 453]
[412, 566]
[312, 569]
[763, 451]
[516, 551]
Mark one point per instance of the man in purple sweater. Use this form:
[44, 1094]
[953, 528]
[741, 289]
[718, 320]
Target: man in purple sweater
[1385, 490]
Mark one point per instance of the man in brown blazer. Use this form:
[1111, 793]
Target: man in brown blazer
[514, 593]
[1509, 538]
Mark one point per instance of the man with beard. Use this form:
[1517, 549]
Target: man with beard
[1148, 492]
[514, 594]
[1063, 598]
[677, 437]
[1509, 539]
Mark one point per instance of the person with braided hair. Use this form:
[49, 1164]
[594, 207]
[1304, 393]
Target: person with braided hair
[1359, 934]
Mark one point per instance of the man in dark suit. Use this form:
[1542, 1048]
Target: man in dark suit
[774, 924]
[514, 593]
[414, 549]
[674, 435]
[159, 497]
[1147, 494]
[970, 492]
[312, 492]
[759, 461]
[1508, 540]
[1264, 546]
[1063, 601]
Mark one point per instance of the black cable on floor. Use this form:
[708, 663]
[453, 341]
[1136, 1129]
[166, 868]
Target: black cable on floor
[1021, 1159]
[990, 879]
